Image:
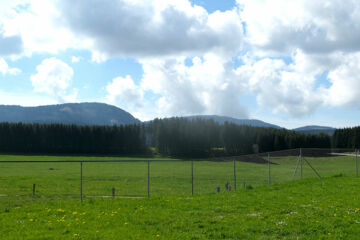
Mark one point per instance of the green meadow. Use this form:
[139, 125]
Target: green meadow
[303, 209]
[307, 208]
[169, 177]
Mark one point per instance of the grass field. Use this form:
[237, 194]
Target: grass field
[166, 178]
[306, 208]
[303, 209]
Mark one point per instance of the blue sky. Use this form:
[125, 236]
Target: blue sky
[290, 63]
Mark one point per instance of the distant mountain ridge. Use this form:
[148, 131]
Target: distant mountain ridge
[104, 114]
[313, 129]
[223, 119]
[69, 113]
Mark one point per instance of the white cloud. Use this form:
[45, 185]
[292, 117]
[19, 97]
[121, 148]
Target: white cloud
[208, 86]
[289, 43]
[320, 26]
[75, 59]
[152, 28]
[282, 87]
[5, 69]
[38, 24]
[124, 93]
[54, 77]
[315, 38]
[345, 82]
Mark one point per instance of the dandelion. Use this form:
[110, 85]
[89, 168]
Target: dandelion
[31, 220]
[60, 210]
[334, 214]
[74, 213]
[157, 235]
[76, 235]
[126, 223]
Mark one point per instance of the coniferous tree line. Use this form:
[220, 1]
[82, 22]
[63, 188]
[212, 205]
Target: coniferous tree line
[347, 138]
[71, 139]
[204, 138]
[172, 136]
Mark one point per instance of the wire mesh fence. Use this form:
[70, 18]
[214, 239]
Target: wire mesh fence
[148, 177]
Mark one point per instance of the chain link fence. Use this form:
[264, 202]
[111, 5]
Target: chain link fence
[148, 177]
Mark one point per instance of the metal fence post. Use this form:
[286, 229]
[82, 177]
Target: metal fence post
[81, 181]
[301, 164]
[148, 175]
[269, 168]
[356, 159]
[192, 177]
[234, 174]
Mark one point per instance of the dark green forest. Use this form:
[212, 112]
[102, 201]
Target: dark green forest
[200, 138]
[347, 138]
[71, 139]
[171, 137]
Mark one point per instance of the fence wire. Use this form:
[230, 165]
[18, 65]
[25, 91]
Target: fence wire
[143, 178]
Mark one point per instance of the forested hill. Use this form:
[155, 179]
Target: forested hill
[315, 129]
[222, 119]
[70, 113]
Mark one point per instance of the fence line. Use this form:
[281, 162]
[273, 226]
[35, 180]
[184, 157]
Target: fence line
[299, 163]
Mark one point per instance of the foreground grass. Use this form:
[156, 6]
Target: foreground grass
[305, 209]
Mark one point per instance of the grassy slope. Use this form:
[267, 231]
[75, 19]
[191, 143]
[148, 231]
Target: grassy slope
[306, 209]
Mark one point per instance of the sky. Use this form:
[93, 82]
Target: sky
[290, 63]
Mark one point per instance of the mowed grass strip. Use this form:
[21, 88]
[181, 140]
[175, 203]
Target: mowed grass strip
[304, 209]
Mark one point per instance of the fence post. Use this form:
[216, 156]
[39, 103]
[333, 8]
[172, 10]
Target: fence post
[81, 181]
[234, 174]
[148, 175]
[301, 164]
[34, 186]
[356, 159]
[113, 192]
[192, 177]
[269, 168]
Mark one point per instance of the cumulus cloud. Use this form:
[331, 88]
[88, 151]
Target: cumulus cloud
[124, 93]
[54, 77]
[5, 69]
[293, 43]
[345, 81]
[314, 26]
[37, 24]
[187, 54]
[281, 87]
[152, 28]
[207, 86]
